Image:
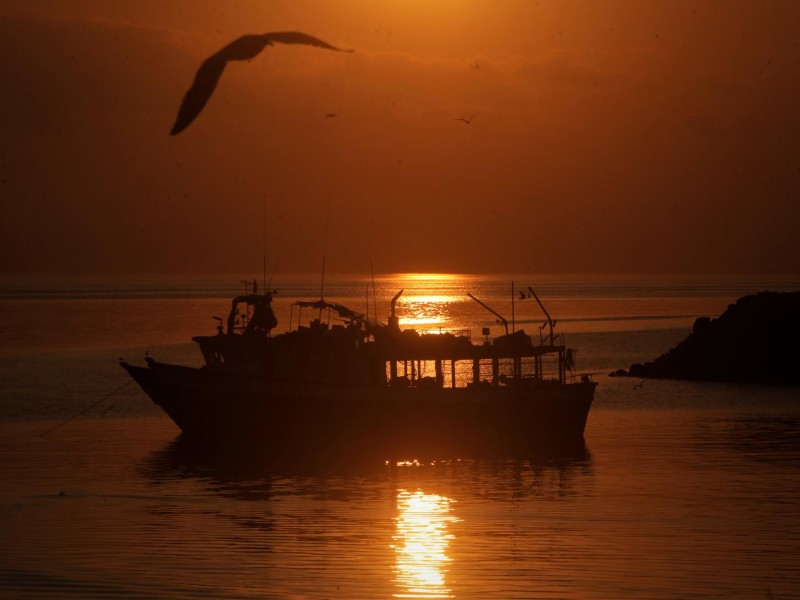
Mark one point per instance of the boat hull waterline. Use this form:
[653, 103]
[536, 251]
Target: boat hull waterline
[310, 418]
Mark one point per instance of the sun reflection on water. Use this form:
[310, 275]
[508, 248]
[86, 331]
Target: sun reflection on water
[419, 310]
[429, 300]
[421, 542]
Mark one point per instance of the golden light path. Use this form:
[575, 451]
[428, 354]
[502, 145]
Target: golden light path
[421, 541]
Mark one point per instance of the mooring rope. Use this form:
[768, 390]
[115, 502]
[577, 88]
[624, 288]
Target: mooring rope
[88, 408]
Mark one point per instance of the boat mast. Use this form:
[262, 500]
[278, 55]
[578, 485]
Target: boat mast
[550, 321]
[491, 310]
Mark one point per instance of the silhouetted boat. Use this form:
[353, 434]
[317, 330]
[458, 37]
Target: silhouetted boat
[364, 386]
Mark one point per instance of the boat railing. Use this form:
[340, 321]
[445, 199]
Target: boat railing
[465, 333]
[343, 312]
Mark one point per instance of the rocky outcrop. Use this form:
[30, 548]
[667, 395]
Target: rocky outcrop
[756, 340]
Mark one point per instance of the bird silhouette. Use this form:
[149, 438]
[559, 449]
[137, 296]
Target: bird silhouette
[243, 48]
[468, 120]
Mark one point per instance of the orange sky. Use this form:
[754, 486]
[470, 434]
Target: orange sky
[613, 136]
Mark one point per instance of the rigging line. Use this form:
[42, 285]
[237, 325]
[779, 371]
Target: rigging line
[78, 414]
[272, 275]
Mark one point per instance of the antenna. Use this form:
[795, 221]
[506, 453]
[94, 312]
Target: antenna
[513, 319]
[324, 251]
[274, 268]
[374, 294]
[264, 242]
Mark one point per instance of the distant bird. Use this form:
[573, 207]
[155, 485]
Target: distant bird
[330, 115]
[640, 384]
[468, 120]
[244, 48]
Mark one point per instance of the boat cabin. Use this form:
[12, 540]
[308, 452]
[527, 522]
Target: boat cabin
[328, 342]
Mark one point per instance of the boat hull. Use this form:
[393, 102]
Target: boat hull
[291, 418]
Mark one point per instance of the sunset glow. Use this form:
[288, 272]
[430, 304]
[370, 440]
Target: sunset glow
[609, 137]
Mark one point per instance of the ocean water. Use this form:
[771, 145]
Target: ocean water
[684, 490]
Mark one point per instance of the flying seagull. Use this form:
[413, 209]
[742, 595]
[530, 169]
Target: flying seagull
[244, 48]
[467, 120]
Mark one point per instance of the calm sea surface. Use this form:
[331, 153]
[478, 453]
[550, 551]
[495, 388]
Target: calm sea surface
[685, 490]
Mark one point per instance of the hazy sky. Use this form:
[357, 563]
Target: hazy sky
[612, 136]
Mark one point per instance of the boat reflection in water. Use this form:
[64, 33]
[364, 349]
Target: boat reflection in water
[362, 529]
[420, 545]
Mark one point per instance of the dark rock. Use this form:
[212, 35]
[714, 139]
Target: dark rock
[637, 369]
[701, 324]
[756, 340]
[618, 373]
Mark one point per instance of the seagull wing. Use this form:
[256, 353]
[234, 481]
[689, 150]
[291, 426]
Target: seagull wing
[296, 37]
[243, 48]
[195, 99]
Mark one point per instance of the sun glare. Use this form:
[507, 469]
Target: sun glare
[424, 310]
[429, 277]
[428, 297]
[421, 543]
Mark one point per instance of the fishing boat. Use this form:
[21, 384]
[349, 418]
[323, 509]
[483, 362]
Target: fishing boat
[339, 381]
